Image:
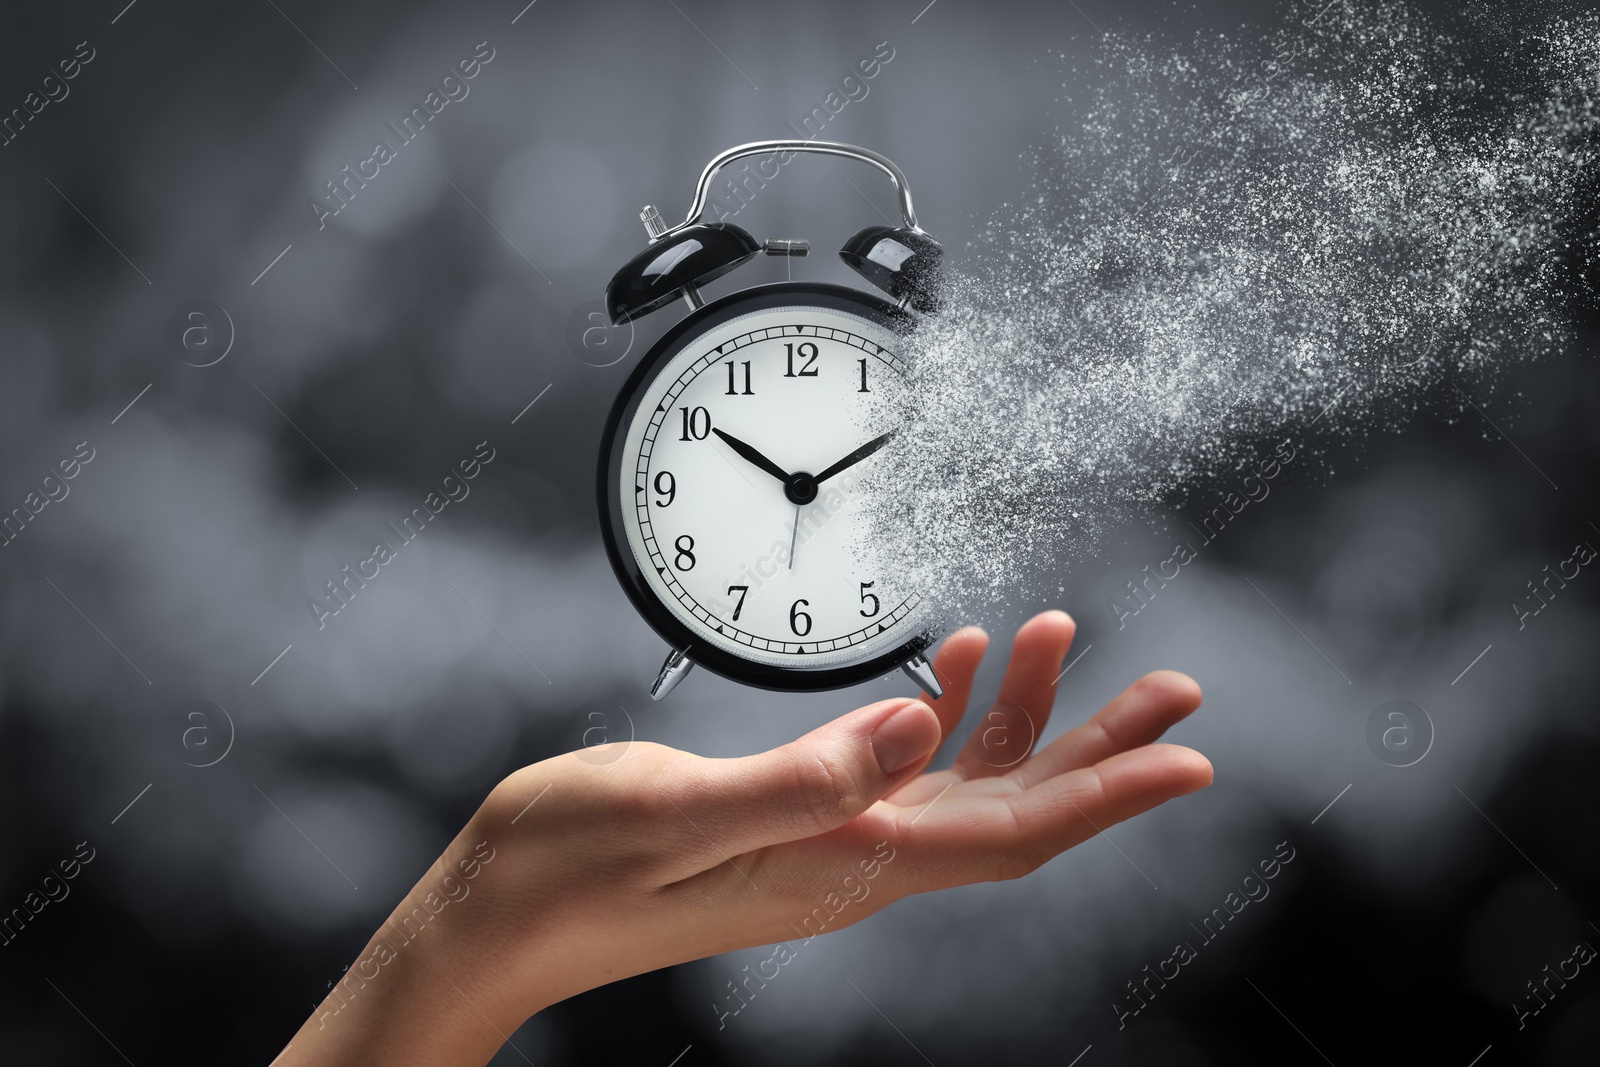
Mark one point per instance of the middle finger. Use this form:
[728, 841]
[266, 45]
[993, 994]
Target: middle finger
[1018, 716]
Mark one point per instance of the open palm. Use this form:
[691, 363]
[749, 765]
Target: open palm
[596, 865]
[999, 811]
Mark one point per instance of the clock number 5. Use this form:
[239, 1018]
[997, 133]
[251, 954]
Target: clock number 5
[808, 352]
[877, 605]
[796, 615]
[696, 424]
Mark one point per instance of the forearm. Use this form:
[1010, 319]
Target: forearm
[429, 987]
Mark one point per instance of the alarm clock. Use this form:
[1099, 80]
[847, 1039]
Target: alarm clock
[730, 501]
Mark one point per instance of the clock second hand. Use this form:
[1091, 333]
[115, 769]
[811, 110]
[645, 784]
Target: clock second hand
[791, 480]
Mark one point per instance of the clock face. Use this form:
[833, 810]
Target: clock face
[741, 490]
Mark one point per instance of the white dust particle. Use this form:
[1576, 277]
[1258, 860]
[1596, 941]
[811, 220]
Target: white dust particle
[1227, 238]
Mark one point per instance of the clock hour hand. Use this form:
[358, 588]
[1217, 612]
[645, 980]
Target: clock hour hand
[753, 456]
[857, 456]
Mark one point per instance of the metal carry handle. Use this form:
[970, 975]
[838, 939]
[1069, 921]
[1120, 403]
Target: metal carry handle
[825, 148]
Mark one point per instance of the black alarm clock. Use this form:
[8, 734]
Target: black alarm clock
[730, 500]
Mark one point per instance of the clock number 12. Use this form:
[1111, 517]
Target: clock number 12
[807, 352]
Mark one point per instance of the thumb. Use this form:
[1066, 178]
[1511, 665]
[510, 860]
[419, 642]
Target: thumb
[815, 784]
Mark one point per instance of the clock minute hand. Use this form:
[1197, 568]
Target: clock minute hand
[753, 456]
[857, 456]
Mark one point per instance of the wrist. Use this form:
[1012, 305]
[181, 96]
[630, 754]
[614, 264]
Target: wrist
[410, 1005]
[434, 984]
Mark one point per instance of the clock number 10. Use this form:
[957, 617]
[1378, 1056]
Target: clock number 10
[696, 424]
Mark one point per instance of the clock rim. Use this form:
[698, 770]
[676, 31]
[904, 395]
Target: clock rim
[609, 486]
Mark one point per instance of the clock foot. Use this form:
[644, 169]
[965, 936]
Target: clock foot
[677, 665]
[919, 670]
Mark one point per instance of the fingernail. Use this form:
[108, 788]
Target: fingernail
[905, 737]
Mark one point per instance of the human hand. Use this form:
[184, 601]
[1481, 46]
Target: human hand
[599, 870]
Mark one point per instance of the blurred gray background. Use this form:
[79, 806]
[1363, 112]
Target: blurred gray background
[370, 355]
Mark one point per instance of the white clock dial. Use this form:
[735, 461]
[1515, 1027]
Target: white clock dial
[719, 535]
